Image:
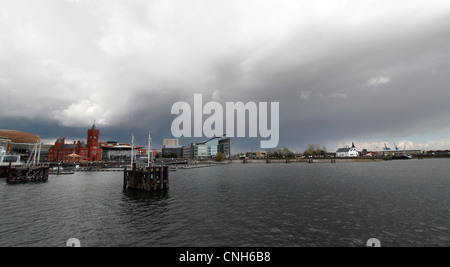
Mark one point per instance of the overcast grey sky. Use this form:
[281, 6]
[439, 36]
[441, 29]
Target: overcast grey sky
[367, 71]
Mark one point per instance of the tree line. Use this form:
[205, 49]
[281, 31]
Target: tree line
[285, 153]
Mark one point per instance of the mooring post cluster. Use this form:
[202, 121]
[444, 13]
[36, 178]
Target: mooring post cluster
[146, 179]
[27, 174]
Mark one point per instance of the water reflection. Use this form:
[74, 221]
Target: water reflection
[238, 205]
[143, 203]
[146, 197]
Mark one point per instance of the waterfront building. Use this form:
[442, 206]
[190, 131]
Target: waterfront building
[440, 153]
[172, 151]
[171, 148]
[396, 153]
[17, 142]
[225, 147]
[19, 137]
[208, 149]
[171, 143]
[5, 159]
[91, 151]
[121, 152]
[116, 150]
[60, 151]
[21, 144]
[155, 153]
[109, 144]
[188, 151]
[141, 151]
[94, 151]
[348, 152]
[257, 155]
[5, 144]
[2, 154]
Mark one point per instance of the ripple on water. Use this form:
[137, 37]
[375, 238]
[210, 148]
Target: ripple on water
[400, 203]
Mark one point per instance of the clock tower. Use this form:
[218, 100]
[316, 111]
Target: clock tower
[95, 153]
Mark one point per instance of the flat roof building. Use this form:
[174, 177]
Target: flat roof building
[208, 149]
[256, 155]
[172, 152]
[171, 142]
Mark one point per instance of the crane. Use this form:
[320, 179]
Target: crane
[396, 148]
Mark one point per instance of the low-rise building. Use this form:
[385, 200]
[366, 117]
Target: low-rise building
[89, 152]
[155, 153]
[172, 151]
[171, 143]
[439, 153]
[208, 149]
[348, 152]
[257, 155]
[60, 151]
[5, 159]
[5, 143]
[19, 143]
[118, 153]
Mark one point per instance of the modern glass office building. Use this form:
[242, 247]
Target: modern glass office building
[208, 149]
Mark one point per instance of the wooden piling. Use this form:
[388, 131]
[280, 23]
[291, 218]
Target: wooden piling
[146, 179]
[125, 181]
[8, 175]
[27, 174]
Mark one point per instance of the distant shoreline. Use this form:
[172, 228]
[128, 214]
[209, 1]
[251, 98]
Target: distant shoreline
[311, 160]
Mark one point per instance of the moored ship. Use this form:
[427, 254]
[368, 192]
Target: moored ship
[8, 160]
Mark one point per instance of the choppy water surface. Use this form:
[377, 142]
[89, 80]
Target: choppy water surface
[402, 203]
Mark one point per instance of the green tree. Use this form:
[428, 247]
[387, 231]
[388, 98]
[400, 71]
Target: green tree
[315, 150]
[220, 156]
[274, 153]
[287, 153]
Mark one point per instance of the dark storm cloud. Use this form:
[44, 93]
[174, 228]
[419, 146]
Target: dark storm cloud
[376, 84]
[341, 70]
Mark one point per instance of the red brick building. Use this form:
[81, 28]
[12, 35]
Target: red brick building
[94, 150]
[91, 151]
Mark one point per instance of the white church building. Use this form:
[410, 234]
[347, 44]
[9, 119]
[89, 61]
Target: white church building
[347, 152]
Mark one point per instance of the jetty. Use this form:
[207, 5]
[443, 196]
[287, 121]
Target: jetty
[27, 174]
[146, 179]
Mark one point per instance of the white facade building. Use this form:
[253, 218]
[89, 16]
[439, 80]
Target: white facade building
[347, 152]
[6, 159]
[2, 153]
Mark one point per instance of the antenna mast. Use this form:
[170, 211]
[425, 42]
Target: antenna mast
[149, 158]
[132, 150]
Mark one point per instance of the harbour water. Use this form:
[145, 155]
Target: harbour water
[401, 203]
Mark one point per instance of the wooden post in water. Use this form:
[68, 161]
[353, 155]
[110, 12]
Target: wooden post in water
[166, 176]
[161, 179]
[155, 178]
[125, 174]
[148, 179]
[8, 175]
